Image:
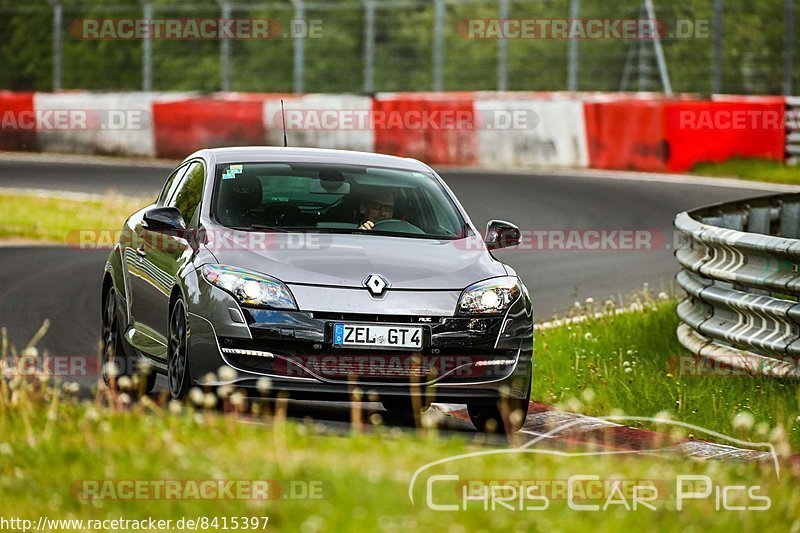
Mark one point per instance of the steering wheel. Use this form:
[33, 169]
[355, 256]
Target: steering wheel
[396, 225]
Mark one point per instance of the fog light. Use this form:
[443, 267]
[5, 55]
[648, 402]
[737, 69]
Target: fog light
[240, 351]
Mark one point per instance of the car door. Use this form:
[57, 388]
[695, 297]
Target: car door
[167, 253]
[146, 289]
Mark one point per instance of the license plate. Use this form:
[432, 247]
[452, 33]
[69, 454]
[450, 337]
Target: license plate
[377, 336]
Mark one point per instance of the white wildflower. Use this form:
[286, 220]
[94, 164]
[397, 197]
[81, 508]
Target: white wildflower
[226, 373]
[196, 395]
[209, 401]
[237, 399]
[743, 420]
[125, 383]
[588, 395]
[264, 385]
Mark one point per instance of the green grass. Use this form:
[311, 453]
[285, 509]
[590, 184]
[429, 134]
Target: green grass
[50, 444]
[631, 362]
[751, 169]
[61, 220]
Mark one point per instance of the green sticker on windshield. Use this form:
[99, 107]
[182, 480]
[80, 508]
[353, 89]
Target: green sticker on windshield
[231, 172]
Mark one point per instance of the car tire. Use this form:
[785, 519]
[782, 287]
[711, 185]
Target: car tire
[112, 350]
[488, 417]
[178, 378]
[404, 405]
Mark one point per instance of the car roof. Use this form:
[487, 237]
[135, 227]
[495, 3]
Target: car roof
[279, 154]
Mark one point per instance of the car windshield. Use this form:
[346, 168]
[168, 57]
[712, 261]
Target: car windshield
[334, 198]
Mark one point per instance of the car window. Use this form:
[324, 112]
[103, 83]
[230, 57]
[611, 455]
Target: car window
[333, 198]
[189, 192]
[172, 181]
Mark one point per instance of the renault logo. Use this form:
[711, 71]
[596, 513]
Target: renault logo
[375, 284]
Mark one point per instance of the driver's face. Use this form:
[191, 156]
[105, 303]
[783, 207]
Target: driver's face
[378, 208]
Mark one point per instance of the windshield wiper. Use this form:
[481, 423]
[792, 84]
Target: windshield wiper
[261, 227]
[264, 227]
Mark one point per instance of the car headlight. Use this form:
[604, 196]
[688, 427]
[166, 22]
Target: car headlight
[490, 296]
[250, 288]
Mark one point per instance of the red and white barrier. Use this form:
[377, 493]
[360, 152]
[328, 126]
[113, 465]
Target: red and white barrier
[486, 129]
[520, 130]
[97, 123]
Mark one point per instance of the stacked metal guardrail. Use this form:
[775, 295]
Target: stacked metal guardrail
[792, 119]
[741, 263]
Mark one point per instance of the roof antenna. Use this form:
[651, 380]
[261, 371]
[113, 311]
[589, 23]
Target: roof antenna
[283, 114]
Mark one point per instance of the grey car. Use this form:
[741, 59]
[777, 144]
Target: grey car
[316, 273]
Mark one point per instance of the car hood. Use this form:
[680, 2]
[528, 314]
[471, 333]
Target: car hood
[347, 260]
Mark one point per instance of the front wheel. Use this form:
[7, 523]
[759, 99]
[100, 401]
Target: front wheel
[405, 405]
[116, 363]
[177, 360]
[112, 352]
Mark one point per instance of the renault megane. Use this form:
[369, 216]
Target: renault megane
[322, 271]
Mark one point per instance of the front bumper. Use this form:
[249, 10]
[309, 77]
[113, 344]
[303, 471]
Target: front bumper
[462, 358]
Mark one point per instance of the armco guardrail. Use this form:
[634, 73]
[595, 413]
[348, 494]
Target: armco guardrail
[792, 118]
[741, 274]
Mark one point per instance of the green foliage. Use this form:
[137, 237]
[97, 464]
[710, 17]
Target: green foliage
[752, 44]
[751, 169]
[633, 362]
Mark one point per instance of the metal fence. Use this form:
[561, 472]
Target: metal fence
[706, 46]
[741, 273]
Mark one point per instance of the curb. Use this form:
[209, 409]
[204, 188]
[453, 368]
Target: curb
[543, 421]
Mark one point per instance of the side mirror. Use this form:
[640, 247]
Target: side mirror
[501, 234]
[163, 219]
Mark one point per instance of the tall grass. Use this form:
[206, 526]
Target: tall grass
[53, 440]
[633, 363]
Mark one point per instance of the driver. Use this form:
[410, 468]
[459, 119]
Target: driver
[376, 205]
